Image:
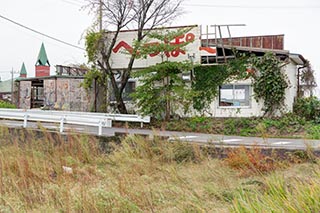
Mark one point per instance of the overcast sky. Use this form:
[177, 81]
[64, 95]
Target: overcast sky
[65, 20]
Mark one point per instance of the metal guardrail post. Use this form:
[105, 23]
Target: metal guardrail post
[62, 123]
[25, 120]
[101, 122]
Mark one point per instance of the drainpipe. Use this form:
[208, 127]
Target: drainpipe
[298, 80]
[55, 90]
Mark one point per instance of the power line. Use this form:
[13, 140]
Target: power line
[40, 33]
[253, 7]
[72, 3]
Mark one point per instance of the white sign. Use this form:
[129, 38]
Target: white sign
[124, 46]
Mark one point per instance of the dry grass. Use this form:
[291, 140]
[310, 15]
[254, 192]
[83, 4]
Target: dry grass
[138, 176]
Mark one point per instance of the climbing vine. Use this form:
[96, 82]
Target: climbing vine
[91, 76]
[269, 81]
[92, 44]
[210, 78]
[206, 85]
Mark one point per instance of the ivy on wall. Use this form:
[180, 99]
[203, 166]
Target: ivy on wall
[269, 81]
[206, 84]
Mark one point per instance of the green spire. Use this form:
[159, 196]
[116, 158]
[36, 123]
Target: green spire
[23, 70]
[42, 57]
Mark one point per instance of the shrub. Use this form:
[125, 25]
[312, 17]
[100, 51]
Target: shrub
[308, 108]
[314, 132]
[250, 161]
[5, 104]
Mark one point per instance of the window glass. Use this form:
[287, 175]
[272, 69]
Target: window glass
[234, 95]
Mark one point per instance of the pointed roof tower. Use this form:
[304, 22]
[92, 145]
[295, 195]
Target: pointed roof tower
[42, 64]
[42, 57]
[23, 71]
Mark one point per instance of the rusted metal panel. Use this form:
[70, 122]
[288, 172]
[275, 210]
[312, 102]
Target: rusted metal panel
[236, 42]
[279, 42]
[266, 41]
[257, 41]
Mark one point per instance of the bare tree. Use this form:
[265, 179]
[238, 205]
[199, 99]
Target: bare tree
[141, 15]
[306, 78]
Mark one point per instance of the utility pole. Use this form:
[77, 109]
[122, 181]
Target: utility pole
[100, 16]
[12, 81]
[11, 84]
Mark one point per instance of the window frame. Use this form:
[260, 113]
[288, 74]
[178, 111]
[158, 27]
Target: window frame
[233, 94]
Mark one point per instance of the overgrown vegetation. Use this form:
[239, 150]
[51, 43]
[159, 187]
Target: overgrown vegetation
[162, 90]
[206, 85]
[143, 16]
[47, 172]
[6, 104]
[289, 125]
[269, 82]
[308, 108]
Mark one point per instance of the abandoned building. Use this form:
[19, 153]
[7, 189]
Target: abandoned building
[209, 47]
[61, 91]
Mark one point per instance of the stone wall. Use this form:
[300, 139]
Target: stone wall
[67, 94]
[25, 94]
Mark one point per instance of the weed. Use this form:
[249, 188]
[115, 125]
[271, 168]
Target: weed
[250, 161]
[5, 104]
[314, 132]
[138, 175]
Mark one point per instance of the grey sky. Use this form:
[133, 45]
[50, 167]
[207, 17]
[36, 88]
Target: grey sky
[65, 20]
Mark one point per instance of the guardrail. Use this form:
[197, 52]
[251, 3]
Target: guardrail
[71, 117]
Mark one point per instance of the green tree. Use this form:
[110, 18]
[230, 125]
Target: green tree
[162, 88]
[142, 15]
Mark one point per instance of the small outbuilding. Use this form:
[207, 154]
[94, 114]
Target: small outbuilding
[61, 91]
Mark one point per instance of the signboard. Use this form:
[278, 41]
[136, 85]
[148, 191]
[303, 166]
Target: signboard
[124, 46]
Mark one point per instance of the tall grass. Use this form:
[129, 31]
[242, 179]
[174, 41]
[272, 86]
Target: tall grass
[139, 176]
[281, 195]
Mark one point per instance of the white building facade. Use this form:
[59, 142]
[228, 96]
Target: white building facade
[235, 99]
